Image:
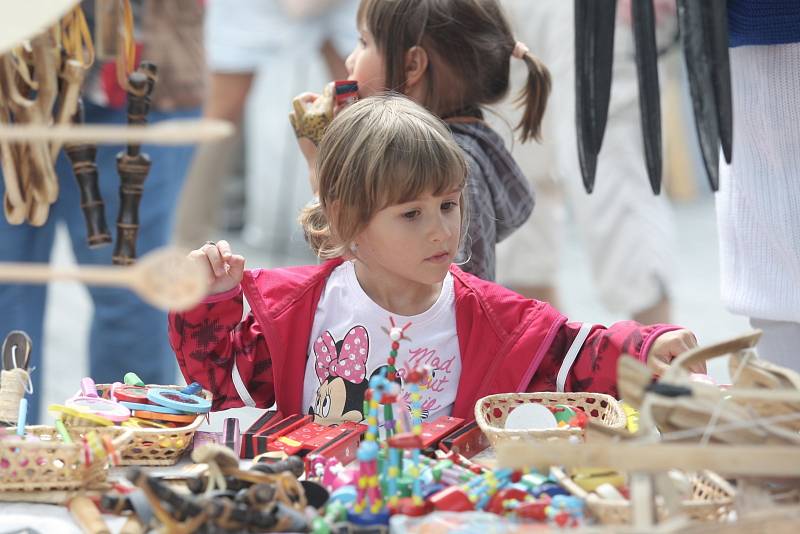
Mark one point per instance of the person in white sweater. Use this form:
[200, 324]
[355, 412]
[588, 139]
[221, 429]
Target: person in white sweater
[758, 203]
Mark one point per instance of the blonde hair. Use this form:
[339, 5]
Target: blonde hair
[381, 151]
[469, 44]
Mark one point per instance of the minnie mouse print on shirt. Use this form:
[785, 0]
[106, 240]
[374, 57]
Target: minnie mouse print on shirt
[349, 345]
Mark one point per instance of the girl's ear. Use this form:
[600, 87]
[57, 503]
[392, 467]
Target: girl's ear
[416, 65]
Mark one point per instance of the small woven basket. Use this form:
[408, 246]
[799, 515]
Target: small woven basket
[41, 466]
[712, 500]
[151, 446]
[491, 413]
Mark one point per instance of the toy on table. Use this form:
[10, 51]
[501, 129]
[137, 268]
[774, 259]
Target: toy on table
[467, 441]
[252, 444]
[225, 498]
[178, 401]
[88, 401]
[230, 435]
[16, 350]
[14, 377]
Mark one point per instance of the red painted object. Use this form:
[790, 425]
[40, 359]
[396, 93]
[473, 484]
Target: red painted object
[407, 507]
[406, 440]
[467, 441]
[254, 439]
[343, 447]
[310, 436]
[496, 505]
[536, 510]
[434, 431]
[452, 499]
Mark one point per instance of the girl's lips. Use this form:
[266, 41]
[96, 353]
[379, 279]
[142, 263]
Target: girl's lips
[438, 258]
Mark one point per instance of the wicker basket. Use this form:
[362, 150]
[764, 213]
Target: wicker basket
[151, 446]
[491, 413]
[712, 500]
[37, 467]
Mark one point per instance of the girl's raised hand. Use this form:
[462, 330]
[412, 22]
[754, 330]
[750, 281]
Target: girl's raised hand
[670, 345]
[224, 269]
[310, 116]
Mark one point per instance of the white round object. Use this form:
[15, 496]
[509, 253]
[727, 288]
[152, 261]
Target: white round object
[395, 334]
[530, 416]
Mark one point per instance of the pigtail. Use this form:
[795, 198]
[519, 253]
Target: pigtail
[317, 231]
[533, 97]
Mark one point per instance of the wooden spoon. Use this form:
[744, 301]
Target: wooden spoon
[165, 278]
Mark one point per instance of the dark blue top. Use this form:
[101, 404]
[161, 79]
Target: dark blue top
[763, 22]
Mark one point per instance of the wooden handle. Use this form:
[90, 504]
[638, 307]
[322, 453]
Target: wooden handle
[71, 78]
[171, 132]
[82, 157]
[87, 516]
[133, 168]
[701, 354]
[745, 460]
[107, 18]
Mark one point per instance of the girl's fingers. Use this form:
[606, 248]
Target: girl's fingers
[200, 258]
[299, 109]
[236, 267]
[301, 102]
[215, 259]
[224, 249]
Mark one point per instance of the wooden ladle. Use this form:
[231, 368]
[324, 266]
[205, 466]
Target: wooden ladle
[165, 278]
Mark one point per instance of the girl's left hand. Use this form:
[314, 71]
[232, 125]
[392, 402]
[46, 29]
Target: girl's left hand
[668, 346]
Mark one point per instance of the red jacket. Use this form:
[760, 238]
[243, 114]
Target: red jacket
[508, 343]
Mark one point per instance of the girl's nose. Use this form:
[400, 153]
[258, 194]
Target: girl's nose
[440, 231]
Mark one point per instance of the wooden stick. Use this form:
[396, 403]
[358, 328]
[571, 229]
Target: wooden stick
[744, 460]
[171, 132]
[107, 16]
[72, 75]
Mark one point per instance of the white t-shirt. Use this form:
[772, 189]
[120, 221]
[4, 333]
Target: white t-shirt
[348, 344]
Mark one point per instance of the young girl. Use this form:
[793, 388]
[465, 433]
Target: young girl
[452, 56]
[389, 220]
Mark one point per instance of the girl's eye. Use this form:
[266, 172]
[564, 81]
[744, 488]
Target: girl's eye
[362, 42]
[449, 206]
[411, 215]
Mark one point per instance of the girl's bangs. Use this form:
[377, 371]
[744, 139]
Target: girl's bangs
[435, 170]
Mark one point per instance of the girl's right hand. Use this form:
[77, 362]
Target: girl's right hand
[310, 115]
[223, 268]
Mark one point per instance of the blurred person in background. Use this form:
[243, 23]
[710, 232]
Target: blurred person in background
[243, 37]
[628, 232]
[758, 203]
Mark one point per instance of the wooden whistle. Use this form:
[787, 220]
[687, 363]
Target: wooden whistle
[133, 166]
[82, 157]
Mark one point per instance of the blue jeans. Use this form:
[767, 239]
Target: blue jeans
[126, 333]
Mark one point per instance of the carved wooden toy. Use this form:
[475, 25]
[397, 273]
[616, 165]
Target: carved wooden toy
[133, 167]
